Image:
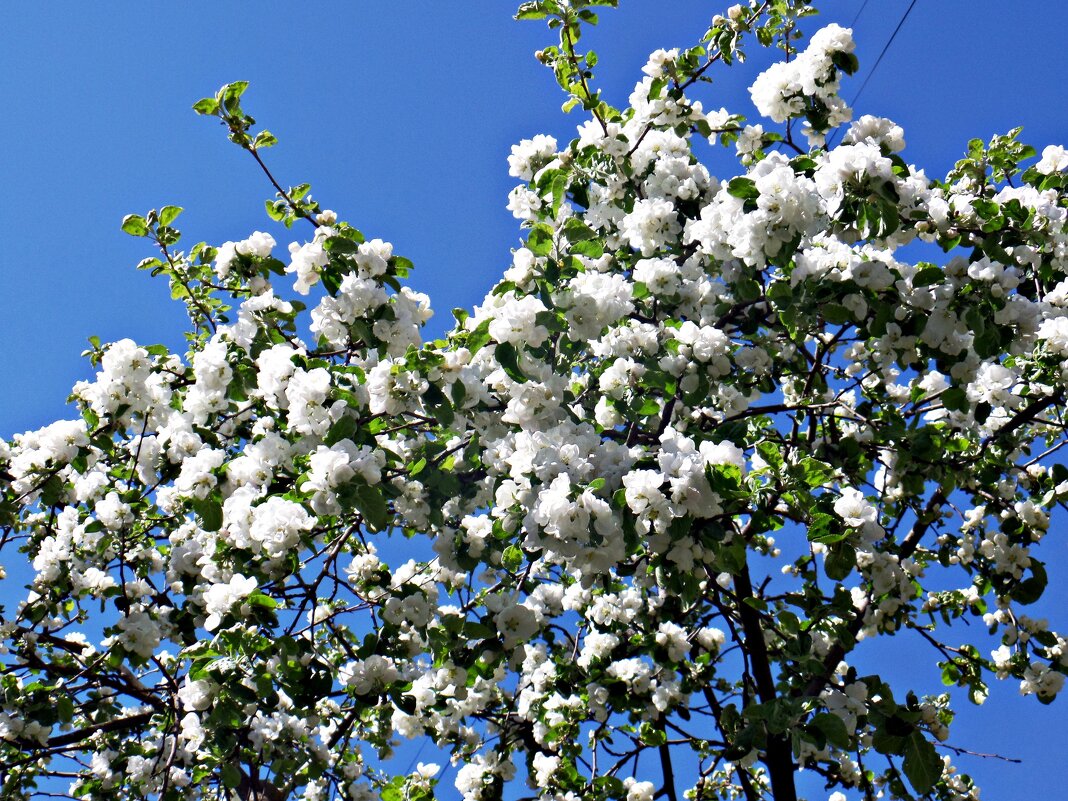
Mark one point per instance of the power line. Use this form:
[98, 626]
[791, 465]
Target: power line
[863, 6]
[886, 47]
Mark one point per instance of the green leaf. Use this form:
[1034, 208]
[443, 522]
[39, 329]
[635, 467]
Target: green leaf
[479, 338]
[264, 139]
[928, 276]
[846, 62]
[577, 231]
[371, 504]
[1030, 589]
[836, 314]
[559, 190]
[955, 399]
[392, 791]
[747, 289]
[815, 472]
[458, 392]
[590, 247]
[210, 513]
[259, 599]
[645, 406]
[230, 775]
[771, 454]
[833, 728]
[438, 405]
[948, 243]
[473, 630]
[540, 240]
[134, 225]
[508, 358]
[403, 701]
[343, 428]
[207, 106]
[531, 10]
[610, 786]
[231, 94]
[780, 293]
[65, 708]
[169, 214]
[987, 343]
[512, 557]
[822, 529]
[503, 288]
[744, 188]
[340, 244]
[652, 735]
[886, 743]
[699, 394]
[275, 210]
[922, 765]
[841, 559]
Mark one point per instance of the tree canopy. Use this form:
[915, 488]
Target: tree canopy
[616, 535]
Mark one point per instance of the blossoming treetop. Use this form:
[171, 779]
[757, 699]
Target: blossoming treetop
[704, 437]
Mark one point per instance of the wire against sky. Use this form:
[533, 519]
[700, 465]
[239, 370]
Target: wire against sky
[886, 47]
[882, 53]
[863, 6]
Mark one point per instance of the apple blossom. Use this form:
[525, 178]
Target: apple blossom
[624, 531]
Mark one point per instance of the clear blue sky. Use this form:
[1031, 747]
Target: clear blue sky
[401, 115]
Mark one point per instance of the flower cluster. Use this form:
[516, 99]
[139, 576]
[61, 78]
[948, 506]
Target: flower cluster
[645, 502]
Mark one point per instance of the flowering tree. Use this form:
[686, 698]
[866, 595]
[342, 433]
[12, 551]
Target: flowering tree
[618, 534]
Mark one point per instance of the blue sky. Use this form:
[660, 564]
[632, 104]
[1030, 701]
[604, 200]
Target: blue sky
[401, 115]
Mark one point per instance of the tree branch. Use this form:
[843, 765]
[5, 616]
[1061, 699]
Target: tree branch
[779, 757]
